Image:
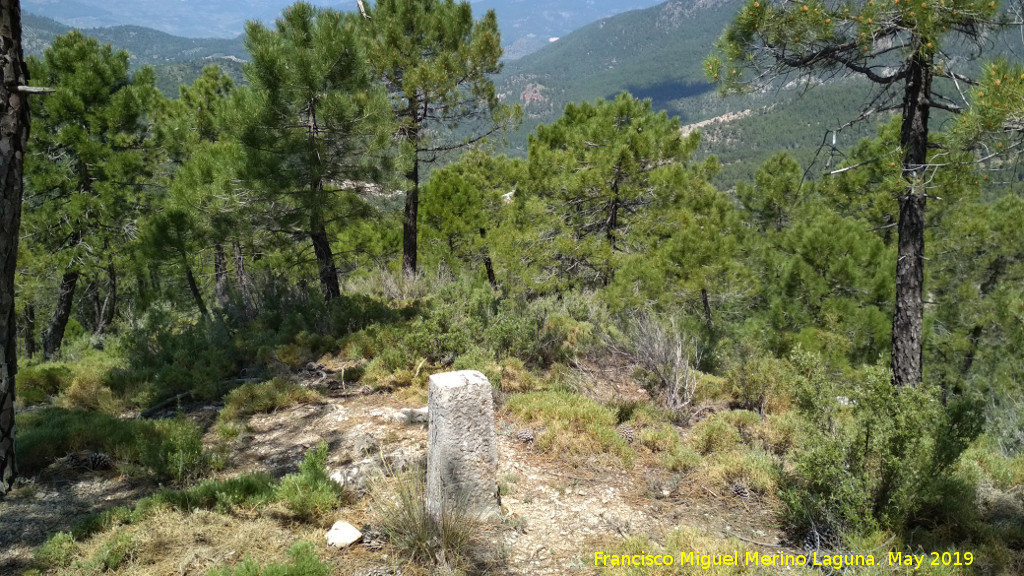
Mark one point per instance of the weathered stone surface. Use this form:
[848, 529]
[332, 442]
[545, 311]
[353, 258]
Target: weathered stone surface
[462, 457]
[343, 534]
[359, 475]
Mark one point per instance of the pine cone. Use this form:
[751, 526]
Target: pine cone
[740, 490]
[626, 432]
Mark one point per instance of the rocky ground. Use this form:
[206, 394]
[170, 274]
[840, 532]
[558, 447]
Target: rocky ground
[556, 515]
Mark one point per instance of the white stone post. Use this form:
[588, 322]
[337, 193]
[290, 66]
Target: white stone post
[462, 457]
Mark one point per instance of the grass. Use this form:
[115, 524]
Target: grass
[302, 561]
[451, 543]
[576, 426]
[255, 398]
[713, 435]
[171, 541]
[165, 449]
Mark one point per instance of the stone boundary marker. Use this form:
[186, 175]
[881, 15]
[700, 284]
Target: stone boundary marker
[462, 457]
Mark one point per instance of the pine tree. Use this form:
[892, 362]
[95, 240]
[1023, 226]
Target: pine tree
[203, 208]
[434, 61]
[462, 206]
[90, 157]
[14, 123]
[899, 48]
[608, 172]
[314, 127]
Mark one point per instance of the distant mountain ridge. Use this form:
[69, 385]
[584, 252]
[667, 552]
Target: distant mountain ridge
[526, 25]
[176, 60]
[658, 53]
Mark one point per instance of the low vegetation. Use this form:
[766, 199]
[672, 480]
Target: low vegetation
[703, 346]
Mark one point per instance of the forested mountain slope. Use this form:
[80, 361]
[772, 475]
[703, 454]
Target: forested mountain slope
[177, 60]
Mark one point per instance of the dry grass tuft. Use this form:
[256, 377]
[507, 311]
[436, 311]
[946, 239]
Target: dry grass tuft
[175, 542]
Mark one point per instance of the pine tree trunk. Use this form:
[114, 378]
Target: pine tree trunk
[324, 259]
[14, 123]
[908, 319]
[220, 274]
[488, 265]
[103, 308]
[28, 331]
[412, 207]
[245, 285]
[54, 334]
[109, 307]
[707, 309]
[193, 287]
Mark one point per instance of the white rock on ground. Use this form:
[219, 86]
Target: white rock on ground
[343, 534]
[411, 415]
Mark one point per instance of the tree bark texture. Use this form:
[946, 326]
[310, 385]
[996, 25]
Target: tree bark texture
[14, 124]
[325, 260]
[109, 306]
[220, 274]
[410, 225]
[908, 318]
[54, 335]
[488, 264]
[245, 285]
[193, 287]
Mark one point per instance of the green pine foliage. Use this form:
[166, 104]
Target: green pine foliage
[211, 246]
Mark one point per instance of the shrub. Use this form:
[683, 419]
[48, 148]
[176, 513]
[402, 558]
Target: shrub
[174, 449]
[220, 495]
[255, 398]
[714, 435]
[168, 449]
[758, 382]
[666, 362]
[680, 458]
[755, 469]
[302, 561]
[57, 552]
[882, 461]
[119, 550]
[36, 383]
[310, 494]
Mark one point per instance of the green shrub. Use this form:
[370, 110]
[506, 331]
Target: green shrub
[310, 494]
[759, 382]
[166, 449]
[662, 438]
[57, 552]
[302, 561]
[882, 460]
[220, 495]
[174, 449]
[118, 551]
[293, 356]
[103, 521]
[680, 458]
[714, 435]
[256, 398]
[50, 433]
[36, 383]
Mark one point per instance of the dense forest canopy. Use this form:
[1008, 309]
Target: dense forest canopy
[196, 247]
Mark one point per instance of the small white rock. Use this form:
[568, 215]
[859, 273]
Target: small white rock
[343, 534]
